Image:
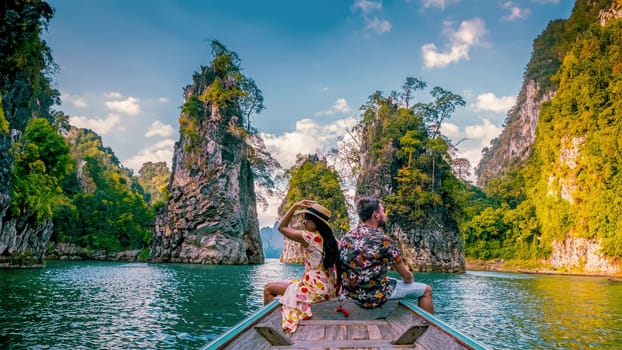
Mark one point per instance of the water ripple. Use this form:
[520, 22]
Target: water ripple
[109, 305]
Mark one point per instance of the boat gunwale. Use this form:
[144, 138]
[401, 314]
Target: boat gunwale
[460, 337]
[232, 333]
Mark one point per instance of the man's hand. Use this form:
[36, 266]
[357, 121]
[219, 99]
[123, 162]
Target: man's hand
[404, 272]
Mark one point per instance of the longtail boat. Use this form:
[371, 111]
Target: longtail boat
[397, 324]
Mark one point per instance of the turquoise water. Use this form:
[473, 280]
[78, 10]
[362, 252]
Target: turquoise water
[111, 305]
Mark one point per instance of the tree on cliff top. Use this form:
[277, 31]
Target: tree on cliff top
[221, 89]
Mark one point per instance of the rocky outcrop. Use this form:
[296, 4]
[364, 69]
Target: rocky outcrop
[431, 244]
[22, 242]
[580, 254]
[515, 143]
[22, 239]
[211, 217]
[434, 247]
[272, 241]
[70, 251]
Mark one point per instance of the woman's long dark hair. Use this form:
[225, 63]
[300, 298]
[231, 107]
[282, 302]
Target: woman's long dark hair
[330, 252]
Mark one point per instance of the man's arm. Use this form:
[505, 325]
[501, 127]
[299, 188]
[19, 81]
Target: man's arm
[404, 272]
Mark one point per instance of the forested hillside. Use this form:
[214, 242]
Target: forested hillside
[104, 206]
[31, 165]
[561, 202]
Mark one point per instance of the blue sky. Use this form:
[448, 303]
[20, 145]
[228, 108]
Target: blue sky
[124, 63]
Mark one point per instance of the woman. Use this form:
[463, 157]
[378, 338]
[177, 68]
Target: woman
[319, 281]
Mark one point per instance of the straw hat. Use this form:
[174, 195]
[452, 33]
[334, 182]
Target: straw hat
[316, 210]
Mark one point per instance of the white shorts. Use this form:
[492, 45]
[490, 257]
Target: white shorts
[407, 290]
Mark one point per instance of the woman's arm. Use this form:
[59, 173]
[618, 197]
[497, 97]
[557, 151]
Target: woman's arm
[291, 233]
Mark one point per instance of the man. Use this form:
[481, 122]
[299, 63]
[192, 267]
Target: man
[365, 253]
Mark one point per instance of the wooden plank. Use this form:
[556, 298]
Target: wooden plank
[410, 335]
[327, 310]
[434, 338]
[272, 335]
[388, 333]
[357, 332]
[335, 332]
[309, 332]
[374, 332]
[338, 322]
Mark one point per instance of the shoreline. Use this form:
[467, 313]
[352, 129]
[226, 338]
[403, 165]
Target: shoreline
[503, 266]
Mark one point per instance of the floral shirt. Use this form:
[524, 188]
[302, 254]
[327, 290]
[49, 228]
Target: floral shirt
[316, 284]
[365, 255]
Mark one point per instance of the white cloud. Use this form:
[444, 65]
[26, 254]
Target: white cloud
[439, 3]
[375, 24]
[76, 101]
[80, 103]
[516, 13]
[100, 126]
[490, 102]
[469, 34]
[160, 129]
[367, 6]
[472, 139]
[340, 106]
[308, 137]
[128, 106]
[114, 95]
[378, 25]
[159, 152]
[451, 130]
[163, 100]
[269, 216]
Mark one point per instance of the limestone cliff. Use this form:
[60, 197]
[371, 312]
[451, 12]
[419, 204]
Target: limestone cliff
[23, 239]
[563, 138]
[211, 217]
[513, 146]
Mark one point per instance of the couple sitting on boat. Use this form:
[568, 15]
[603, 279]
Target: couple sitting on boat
[355, 266]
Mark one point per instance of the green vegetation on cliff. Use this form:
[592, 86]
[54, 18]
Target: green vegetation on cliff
[41, 162]
[571, 185]
[312, 178]
[104, 207]
[407, 159]
[221, 92]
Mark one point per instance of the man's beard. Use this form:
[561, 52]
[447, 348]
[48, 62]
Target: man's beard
[382, 224]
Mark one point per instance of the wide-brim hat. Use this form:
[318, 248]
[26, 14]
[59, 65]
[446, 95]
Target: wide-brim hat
[316, 210]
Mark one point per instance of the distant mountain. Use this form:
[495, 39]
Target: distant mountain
[272, 241]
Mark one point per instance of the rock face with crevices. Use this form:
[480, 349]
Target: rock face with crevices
[211, 216]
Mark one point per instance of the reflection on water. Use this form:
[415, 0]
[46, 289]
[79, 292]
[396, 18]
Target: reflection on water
[520, 311]
[103, 305]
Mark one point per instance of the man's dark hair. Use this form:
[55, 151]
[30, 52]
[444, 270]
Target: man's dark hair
[366, 206]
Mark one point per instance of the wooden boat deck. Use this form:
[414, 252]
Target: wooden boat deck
[394, 325]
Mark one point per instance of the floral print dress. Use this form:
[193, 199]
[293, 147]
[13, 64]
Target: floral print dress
[316, 284]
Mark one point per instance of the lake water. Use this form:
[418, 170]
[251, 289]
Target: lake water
[112, 305]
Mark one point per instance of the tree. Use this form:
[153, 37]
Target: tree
[409, 87]
[312, 178]
[41, 161]
[461, 168]
[25, 62]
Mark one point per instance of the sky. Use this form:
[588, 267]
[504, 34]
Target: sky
[123, 65]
